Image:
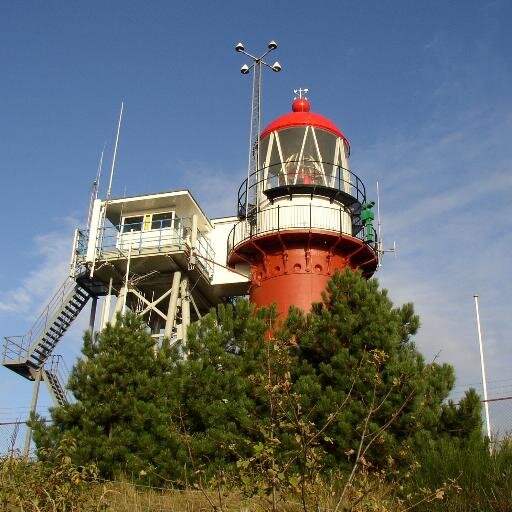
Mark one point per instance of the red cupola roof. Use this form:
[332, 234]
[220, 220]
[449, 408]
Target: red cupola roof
[301, 116]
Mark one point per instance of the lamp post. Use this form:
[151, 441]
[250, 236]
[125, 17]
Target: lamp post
[255, 128]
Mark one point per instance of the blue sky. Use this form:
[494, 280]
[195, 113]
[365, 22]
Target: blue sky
[421, 89]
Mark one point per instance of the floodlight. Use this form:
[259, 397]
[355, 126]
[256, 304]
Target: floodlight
[272, 45]
[276, 67]
[239, 47]
[244, 69]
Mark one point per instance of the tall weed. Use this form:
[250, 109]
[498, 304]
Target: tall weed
[485, 476]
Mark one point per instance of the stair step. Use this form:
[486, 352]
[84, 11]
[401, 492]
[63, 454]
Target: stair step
[72, 310]
[67, 311]
[41, 352]
[65, 318]
[76, 302]
[51, 335]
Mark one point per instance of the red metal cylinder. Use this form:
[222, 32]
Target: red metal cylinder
[293, 268]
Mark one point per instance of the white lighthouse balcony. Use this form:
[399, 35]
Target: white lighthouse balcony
[309, 217]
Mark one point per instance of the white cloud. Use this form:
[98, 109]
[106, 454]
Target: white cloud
[215, 189]
[52, 251]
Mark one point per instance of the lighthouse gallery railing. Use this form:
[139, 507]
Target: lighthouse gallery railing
[310, 176]
[303, 217]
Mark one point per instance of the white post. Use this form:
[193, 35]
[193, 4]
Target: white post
[486, 403]
[126, 279]
[185, 309]
[72, 263]
[193, 242]
[105, 313]
[173, 303]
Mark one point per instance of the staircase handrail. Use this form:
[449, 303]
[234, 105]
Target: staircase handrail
[43, 320]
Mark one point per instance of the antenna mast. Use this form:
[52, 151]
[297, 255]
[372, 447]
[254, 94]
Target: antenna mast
[109, 190]
[103, 215]
[255, 128]
[380, 242]
[95, 188]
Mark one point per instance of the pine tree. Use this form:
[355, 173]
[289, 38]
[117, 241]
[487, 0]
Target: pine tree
[355, 358]
[120, 417]
[215, 404]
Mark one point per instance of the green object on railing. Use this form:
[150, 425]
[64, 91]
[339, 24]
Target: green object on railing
[367, 218]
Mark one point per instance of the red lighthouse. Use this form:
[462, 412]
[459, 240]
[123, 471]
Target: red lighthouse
[303, 213]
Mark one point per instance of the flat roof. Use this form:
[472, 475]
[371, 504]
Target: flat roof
[178, 200]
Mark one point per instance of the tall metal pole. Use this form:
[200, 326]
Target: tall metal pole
[254, 150]
[254, 133]
[484, 381]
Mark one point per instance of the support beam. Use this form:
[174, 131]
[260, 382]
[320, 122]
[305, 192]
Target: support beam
[92, 317]
[120, 303]
[105, 313]
[146, 301]
[33, 406]
[185, 308]
[173, 302]
[151, 306]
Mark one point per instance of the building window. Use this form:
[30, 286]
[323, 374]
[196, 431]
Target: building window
[133, 223]
[148, 222]
[162, 220]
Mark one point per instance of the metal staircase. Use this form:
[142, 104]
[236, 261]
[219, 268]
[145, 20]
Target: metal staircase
[26, 355]
[52, 374]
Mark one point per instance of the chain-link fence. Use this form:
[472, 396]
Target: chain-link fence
[12, 436]
[500, 416]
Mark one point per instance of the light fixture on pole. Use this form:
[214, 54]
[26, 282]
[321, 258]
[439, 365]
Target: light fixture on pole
[253, 166]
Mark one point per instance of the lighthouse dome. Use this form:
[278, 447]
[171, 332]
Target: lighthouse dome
[301, 115]
[303, 148]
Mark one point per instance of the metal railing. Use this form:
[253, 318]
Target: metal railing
[17, 347]
[303, 173]
[304, 217]
[114, 242]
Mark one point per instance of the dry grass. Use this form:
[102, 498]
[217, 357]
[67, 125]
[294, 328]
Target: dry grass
[124, 497]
